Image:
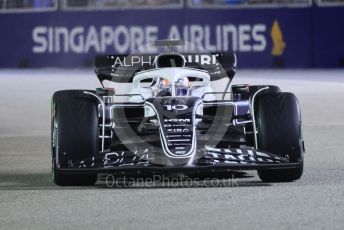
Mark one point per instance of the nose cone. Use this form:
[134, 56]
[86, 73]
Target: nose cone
[176, 117]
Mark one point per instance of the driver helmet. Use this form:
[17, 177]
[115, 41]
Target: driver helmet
[182, 87]
[165, 88]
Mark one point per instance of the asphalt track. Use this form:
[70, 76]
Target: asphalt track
[29, 200]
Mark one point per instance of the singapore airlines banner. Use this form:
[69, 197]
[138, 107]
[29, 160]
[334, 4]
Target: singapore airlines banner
[260, 37]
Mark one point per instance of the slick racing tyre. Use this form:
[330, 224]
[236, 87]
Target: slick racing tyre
[74, 135]
[278, 121]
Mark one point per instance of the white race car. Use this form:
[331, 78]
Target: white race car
[172, 119]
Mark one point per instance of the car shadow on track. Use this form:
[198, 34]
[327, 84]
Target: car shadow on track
[42, 181]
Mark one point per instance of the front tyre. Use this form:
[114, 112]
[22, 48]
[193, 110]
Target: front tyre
[278, 121]
[74, 135]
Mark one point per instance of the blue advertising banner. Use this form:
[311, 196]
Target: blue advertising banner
[328, 37]
[260, 37]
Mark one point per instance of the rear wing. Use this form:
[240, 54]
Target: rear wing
[122, 68]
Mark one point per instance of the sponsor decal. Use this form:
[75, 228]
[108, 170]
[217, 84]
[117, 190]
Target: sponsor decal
[128, 39]
[176, 120]
[185, 130]
[142, 60]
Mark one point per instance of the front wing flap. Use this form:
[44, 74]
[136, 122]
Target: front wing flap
[213, 159]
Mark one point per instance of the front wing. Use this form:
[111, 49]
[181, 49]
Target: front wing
[212, 160]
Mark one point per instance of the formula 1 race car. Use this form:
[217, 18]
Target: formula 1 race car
[171, 119]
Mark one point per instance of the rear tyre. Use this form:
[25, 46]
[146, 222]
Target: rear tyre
[74, 135]
[278, 121]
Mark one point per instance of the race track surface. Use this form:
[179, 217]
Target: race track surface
[29, 200]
